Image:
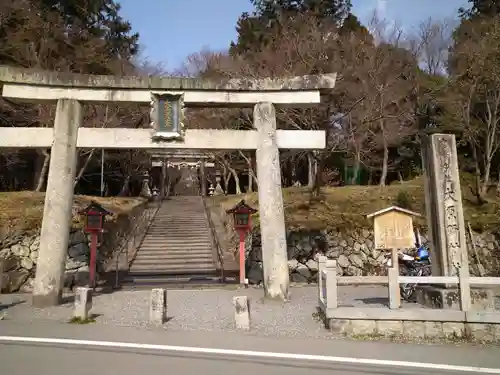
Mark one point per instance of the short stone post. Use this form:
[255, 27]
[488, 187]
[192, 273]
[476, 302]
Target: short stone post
[393, 275]
[321, 282]
[241, 312]
[272, 216]
[57, 212]
[464, 285]
[158, 306]
[83, 303]
[331, 284]
[2, 275]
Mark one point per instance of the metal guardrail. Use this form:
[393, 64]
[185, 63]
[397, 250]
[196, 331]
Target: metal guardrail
[134, 238]
[215, 238]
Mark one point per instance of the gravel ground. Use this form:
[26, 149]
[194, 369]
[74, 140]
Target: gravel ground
[208, 310]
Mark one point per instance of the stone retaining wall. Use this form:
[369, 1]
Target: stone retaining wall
[19, 253]
[354, 252]
[415, 329]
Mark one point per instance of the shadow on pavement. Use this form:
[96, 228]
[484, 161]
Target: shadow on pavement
[9, 305]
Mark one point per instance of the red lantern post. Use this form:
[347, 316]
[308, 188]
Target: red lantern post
[242, 224]
[94, 223]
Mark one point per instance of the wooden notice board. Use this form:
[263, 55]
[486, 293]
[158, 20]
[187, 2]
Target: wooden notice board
[393, 228]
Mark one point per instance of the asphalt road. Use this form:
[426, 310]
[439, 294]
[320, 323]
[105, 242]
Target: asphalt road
[49, 359]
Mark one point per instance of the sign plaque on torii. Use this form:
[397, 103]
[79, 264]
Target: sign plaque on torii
[168, 97]
[167, 117]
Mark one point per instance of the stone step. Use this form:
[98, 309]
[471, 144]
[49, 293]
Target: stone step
[176, 282]
[173, 269]
[175, 244]
[176, 240]
[184, 217]
[177, 224]
[169, 241]
[179, 232]
[182, 211]
[155, 279]
[176, 252]
[183, 247]
[141, 277]
[186, 212]
[169, 256]
[172, 262]
[190, 232]
[179, 227]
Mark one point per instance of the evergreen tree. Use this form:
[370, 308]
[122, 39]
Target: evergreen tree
[254, 29]
[485, 8]
[99, 18]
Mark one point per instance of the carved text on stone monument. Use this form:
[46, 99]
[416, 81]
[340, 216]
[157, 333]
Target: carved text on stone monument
[449, 201]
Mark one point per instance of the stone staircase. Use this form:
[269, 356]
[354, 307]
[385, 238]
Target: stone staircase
[177, 247]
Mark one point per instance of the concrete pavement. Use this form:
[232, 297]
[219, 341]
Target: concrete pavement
[25, 358]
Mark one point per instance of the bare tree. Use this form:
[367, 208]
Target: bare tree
[473, 95]
[431, 42]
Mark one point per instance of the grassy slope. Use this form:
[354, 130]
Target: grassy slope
[346, 207]
[20, 211]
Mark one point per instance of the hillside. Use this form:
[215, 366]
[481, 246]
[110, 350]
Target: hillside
[346, 207]
[22, 211]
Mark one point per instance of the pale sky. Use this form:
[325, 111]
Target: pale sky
[172, 29]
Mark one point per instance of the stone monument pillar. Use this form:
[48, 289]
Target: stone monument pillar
[444, 207]
[271, 212]
[446, 226]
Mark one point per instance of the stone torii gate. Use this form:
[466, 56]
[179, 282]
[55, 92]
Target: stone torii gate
[167, 97]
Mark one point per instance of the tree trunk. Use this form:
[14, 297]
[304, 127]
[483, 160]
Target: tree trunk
[250, 182]
[125, 190]
[319, 174]
[477, 180]
[486, 178]
[498, 183]
[251, 172]
[84, 167]
[355, 170]
[385, 165]
[43, 171]
[294, 172]
[400, 176]
[232, 172]
[227, 176]
[312, 170]
[236, 180]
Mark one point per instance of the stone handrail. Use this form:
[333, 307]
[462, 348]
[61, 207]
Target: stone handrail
[215, 239]
[328, 282]
[133, 239]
